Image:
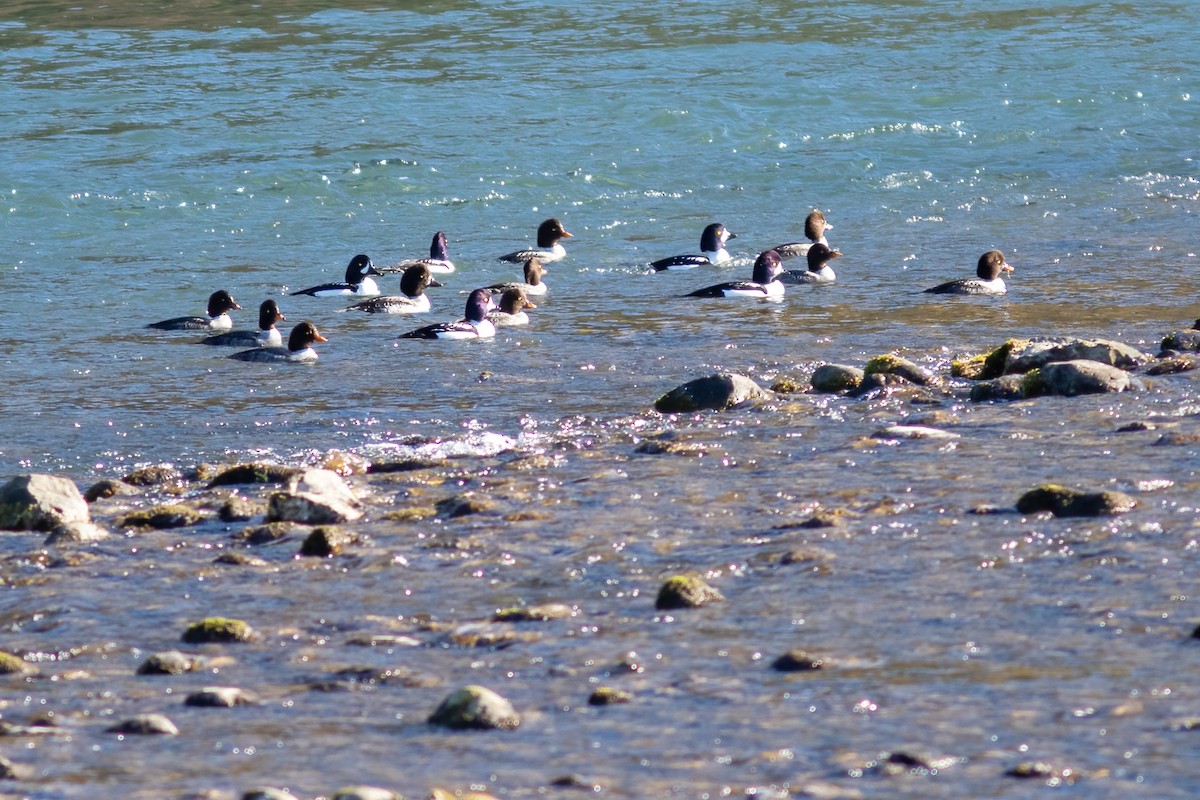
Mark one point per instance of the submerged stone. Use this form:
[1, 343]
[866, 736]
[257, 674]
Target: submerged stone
[1064, 502]
[76, 533]
[221, 697]
[154, 475]
[325, 542]
[685, 591]
[258, 472]
[145, 725]
[712, 393]
[475, 707]
[170, 662]
[365, 793]
[15, 665]
[796, 660]
[1174, 365]
[218, 629]
[109, 487]
[162, 517]
[835, 378]
[608, 696]
[40, 503]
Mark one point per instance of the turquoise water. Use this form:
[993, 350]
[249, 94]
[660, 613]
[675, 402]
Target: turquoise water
[151, 161]
[153, 155]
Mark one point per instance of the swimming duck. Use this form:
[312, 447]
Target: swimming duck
[220, 303]
[474, 325]
[358, 281]
[512, 308]
[712, 248]
[411, 300]
[533, 284]
[819, 255]
[548, 246]
[764, 282]
[438, 262]
[814, 228]
[267, 334]
[987, 281]
[299, 347]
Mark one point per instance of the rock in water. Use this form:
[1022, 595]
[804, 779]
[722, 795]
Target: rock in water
[314, 497]
[685, 591]
[1073, 378]
[1064, 502]
[834, 378]
[892, 364]
[475, 707]
[712, 393]
[1024, 356]
[40, 503]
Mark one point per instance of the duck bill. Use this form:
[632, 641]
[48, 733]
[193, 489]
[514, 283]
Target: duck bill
[318, 337]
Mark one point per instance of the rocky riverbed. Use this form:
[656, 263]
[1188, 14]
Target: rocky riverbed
[900, 577]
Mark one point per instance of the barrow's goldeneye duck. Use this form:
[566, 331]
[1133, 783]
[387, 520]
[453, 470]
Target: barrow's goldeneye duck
[411, 300]
[988, 281]
[298, 351]
[438, 262]
[819, 271]
[548, 247]
[474, 325]
[712, 250]
[763, 284]
[512, 308]
[220, 303]
[533, 284]
[358, 281]
[814, 228]
[267, 334]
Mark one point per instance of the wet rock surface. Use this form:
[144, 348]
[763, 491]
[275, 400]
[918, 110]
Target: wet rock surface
[712, 393]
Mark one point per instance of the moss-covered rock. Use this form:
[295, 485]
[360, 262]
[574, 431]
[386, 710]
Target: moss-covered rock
[686, 591]
[1036, 353]
[162, 517]
[1174, 365]
[218, 629]
[787, 386]
[475, 707]
[40, 503]
[836, 378]
[540, 613]
[257, 472]
[892, 364]
[1064, 502]
[154, 475]
[712, 393]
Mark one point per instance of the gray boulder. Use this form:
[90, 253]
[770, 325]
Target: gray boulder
[1186, 341]
[475, 707]
[833, 378]
[1036, 353]
[1072, 378]
[712, 393]
[41, 503]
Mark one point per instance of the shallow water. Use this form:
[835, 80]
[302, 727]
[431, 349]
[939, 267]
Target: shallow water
[154, 156]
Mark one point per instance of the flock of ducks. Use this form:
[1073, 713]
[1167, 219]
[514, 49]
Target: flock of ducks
[484, 314]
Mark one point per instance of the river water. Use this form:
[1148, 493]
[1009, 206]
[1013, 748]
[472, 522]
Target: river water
[153, 154]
